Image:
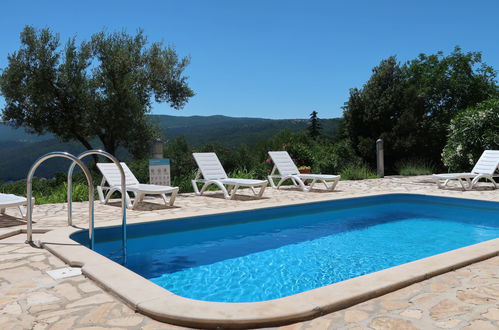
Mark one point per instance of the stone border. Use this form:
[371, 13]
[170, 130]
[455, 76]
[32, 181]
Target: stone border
[161, 304]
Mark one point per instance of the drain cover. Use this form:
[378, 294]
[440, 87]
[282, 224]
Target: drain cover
[57, 274]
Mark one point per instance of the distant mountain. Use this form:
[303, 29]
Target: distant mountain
[231, 131]
[19, 149]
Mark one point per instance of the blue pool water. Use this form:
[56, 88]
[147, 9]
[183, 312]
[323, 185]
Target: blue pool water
[276, 252]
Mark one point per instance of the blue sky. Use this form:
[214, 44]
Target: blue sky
[272, 59]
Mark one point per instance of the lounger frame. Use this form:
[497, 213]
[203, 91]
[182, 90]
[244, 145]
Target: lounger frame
[288, 171]
[210, 171]
[139, 190]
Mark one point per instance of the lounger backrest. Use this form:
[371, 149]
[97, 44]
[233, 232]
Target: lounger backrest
[112, 174]
[209, 165]
[488, 162]
[284, 163]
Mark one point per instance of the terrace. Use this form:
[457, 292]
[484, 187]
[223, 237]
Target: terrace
[29, 298]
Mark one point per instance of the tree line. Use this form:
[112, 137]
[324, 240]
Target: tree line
[440, 109]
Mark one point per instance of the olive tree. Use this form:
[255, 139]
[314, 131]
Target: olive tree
[98, 89]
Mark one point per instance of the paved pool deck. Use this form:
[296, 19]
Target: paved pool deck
[467, 298]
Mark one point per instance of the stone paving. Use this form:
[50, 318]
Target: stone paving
[467, 298]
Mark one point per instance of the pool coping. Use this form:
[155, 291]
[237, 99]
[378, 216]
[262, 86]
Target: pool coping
[163, 305]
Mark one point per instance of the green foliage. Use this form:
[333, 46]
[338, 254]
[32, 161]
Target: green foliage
[415, 166]
[411, 105]
[470, 133]
[99, 89]
[48, 190]
[357, 172]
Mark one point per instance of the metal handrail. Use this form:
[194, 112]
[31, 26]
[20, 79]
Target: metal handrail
[29, 189]
[123, 189]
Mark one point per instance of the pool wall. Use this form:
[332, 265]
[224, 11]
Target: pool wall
[160, 304]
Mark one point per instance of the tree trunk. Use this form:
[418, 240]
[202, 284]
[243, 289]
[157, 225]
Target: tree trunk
[87, 145]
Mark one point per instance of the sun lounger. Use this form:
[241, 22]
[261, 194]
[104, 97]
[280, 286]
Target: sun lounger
[212, 172]
[111, 175]
[10, 200]
[484, 168]
[288, 170]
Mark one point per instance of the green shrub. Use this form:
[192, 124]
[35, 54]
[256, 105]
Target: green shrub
[415, 167]
[470, 133]
[357, 172]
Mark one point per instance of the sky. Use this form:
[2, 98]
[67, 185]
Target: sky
[270, 58]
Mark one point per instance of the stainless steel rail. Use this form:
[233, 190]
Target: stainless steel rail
[29, 189]
[123, 190]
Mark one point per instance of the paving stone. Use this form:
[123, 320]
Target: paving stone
[450, 324]
[439, 287]
[490, 290]
[60, 312]
[37, 258]
[354, 316]
[394, 305]
[471, 298]
[129, 321]
[40, 326]
[12, 308]
[13, 264]
[412, 313]
[492, 314]
[95, 299]
[64, 324]
[97, 315]
[447, 308]
[42, 308]
[39, 298]
[88, 287]
[389, 323]
[480, 325]
[19, 274]
[67, 291]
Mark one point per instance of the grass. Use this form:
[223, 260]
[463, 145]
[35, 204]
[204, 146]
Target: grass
[357, 172]
[415, 167]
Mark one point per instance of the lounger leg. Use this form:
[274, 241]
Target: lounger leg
[163, 196]
[101, 194]
[195, 187]
[173, 196]
[281, 182]
[300, 183]
[335, 182]
[22, 211]
[253, 190]
[203, 188]
[271, 180]
[262, 190]
[108, 195]
[137, 200]
[233, 193]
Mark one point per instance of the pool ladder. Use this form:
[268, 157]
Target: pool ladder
[77, 160]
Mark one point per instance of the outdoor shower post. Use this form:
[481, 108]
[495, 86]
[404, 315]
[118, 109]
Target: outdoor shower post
[380, 162]
[157, 148]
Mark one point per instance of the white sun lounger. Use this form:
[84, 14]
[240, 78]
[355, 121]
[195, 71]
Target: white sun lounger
[484, 168]
[111, 175]
[288, 170]
[212, 172]
[10, 200]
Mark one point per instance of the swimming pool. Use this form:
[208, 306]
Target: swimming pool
[276, 252]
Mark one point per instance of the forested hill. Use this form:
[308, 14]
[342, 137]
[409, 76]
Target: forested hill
[231, 131]
[19, 149]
